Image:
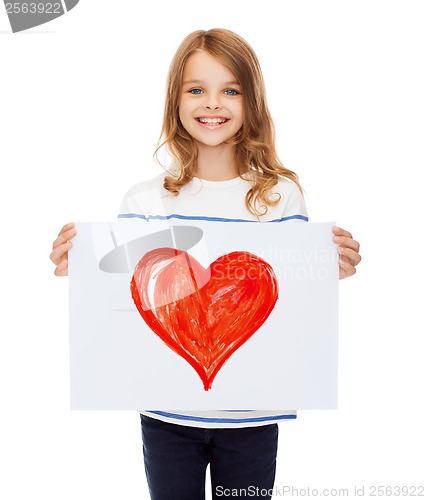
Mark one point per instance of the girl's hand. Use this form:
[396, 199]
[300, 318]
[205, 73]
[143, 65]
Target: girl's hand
[349, 252]
[61, 245]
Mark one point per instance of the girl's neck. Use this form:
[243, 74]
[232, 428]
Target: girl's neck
[216, 163]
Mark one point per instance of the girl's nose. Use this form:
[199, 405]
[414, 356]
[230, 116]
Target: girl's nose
[212, 102]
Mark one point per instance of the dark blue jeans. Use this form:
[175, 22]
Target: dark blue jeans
[242, 461]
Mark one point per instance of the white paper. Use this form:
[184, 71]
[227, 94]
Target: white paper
[118, 362]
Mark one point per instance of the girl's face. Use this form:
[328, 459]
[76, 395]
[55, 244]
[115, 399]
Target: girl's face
[211, 104]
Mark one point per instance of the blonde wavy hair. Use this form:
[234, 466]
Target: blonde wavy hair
[254, 143]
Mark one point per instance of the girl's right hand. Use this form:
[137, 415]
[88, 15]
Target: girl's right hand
[61, 245]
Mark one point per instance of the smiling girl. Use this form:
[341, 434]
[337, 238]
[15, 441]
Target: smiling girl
[218, 131]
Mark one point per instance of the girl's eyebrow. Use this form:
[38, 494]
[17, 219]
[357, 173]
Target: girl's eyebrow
[234, 82]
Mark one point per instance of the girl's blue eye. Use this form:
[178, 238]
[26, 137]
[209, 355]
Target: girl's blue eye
[231, 92]
[195, 91]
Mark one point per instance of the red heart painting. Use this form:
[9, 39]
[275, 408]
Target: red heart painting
[204, 315]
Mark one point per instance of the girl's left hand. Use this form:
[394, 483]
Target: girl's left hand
[349, 252]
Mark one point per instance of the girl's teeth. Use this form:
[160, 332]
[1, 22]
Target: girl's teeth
[211, 121]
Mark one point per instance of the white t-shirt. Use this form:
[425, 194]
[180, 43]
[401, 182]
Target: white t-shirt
[215, 201]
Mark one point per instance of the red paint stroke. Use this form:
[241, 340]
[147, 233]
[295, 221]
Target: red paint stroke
[204, 315]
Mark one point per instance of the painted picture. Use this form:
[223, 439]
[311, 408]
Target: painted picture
[201, 315]
[204, 315]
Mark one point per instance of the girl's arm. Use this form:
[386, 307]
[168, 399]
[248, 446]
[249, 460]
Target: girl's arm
[61, 245]
[349, 252]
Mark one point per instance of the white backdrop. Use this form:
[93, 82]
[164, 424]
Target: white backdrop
[80, 111]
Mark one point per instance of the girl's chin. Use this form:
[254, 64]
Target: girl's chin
[211, 144]
[223, 141]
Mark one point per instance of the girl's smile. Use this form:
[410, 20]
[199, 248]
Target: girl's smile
[211, 122]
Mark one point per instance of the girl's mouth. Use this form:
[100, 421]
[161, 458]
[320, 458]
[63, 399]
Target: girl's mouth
[211, 122]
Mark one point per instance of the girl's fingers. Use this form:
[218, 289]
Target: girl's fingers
[59, 252]
[348, 250]
[64, 237]
[347, 242]
[338, 231]
[68, 226]
[345, 239]
[62, 268]
[346, 268]
[60, 247]
[65, 234]
[352, 255]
